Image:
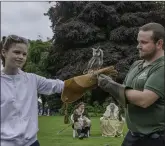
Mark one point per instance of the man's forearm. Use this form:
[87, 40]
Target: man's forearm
[141, 98]
[124, 94]
[135, 97]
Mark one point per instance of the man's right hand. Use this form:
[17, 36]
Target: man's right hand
[115, 89]
[104, 82]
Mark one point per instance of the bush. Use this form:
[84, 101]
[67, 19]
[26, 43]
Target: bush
[69, 109]
[92, 114]
[90, 108]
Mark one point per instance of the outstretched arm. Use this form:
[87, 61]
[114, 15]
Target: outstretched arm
[49, 86]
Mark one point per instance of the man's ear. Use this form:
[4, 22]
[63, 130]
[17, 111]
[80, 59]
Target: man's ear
[160, 43]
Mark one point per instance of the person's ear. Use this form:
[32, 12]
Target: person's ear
[3, 52]
[159, 44]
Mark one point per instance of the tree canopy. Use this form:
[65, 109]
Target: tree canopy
[78, 26]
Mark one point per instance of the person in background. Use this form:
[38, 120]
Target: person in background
[81, 121]
[110, 123]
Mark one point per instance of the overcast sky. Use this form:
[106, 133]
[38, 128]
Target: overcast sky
[25, 19]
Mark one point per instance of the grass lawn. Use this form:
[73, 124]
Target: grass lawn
[51, 125]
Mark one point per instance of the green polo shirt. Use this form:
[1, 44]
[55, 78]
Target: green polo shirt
[151, 77]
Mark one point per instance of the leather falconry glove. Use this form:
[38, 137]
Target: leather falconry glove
[115, 89]
[74, 88]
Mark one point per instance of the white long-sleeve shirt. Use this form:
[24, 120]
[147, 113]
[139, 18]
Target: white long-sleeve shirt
[19, 106]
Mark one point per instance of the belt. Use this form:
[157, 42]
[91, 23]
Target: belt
[151, 135]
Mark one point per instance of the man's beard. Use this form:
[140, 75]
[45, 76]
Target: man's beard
[148, 56]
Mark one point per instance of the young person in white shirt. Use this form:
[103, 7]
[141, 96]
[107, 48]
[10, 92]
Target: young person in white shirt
[19, 89]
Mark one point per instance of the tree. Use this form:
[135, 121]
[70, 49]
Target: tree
[37, 62]
[78, 26]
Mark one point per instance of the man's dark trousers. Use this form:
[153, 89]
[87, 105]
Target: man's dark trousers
[140, 140]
